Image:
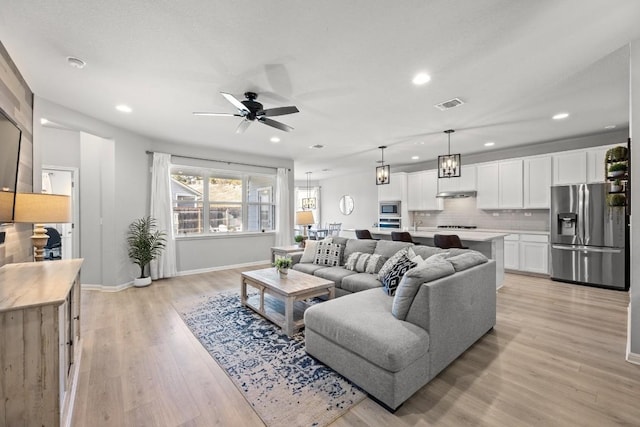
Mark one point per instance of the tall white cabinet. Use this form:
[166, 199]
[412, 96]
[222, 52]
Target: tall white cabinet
[537, 182]
[422, 188]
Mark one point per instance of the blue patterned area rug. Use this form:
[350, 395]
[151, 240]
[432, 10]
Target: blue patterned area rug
[284, 385]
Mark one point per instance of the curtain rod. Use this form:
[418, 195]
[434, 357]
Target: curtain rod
[220, 161]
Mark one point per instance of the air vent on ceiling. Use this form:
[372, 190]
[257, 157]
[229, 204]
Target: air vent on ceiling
[449, 104]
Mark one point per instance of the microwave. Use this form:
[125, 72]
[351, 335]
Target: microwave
[390, 208]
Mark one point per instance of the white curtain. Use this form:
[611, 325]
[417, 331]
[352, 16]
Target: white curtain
[165, 264]
[284, 227]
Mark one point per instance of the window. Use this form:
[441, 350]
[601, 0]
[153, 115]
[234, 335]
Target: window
[234, 201]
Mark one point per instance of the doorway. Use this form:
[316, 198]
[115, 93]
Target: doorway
[62, 180]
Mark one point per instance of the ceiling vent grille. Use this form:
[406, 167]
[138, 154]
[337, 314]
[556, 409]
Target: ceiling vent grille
[446, 105]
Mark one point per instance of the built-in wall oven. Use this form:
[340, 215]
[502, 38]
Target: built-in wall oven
[389, 222]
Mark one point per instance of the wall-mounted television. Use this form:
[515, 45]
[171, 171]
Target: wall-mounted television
[10, 136]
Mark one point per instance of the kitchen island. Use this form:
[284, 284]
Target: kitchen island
[491, 244]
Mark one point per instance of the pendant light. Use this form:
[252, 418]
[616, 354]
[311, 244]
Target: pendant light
[308, 202]
[383, 173]
[449, 164]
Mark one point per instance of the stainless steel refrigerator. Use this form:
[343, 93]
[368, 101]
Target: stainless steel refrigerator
[588, 238]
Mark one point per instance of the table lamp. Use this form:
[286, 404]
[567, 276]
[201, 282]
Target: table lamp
[38, 209]
[304, 218]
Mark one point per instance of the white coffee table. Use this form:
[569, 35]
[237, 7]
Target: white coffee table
[291, 290]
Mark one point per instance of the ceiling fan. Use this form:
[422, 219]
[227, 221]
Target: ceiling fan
[251, 110]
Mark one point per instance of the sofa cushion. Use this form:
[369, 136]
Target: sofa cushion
[360, 282]
[426, 251]
[328, 254]
[364, 263]
[387, 248]
[335, 274]
[392, 279]
[388, 265]
[356, 245]
[467, 260]
[411, 282]
[363, 324]
[308, 268]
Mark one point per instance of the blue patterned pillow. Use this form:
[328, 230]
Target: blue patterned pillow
[392, 279]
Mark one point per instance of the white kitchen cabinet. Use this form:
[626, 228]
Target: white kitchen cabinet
[511, 252]
[510, 181]
[570, 168]
[534, 253]
[465, 182]
[595, 164]
[488, 184]
[422, 188]
[395, 190]
[537, 183]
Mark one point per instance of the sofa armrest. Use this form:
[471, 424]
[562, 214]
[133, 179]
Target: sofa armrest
[456, 311]
[295, 258]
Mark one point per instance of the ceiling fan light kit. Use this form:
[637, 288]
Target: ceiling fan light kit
[251, 110]
[383, 172]
[449, 165]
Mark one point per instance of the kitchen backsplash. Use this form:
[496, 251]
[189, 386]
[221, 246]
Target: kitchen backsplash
[463, 212]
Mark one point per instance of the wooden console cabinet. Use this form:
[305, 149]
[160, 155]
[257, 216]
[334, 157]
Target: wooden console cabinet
[39, 342]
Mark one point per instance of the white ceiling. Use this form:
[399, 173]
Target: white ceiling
[347, 65]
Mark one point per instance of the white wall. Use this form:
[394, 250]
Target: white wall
[634, 122]
[124, 194]
[362, 188]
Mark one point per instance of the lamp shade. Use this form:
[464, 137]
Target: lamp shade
[39, 208]
[304, 218]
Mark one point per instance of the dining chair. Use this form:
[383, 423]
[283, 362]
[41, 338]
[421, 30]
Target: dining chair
[333, 229]
[364, 234]
[402, 236]
[448, 241]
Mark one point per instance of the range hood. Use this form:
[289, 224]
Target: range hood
[456, 194]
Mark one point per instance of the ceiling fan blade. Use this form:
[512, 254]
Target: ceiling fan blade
[232, 99]
[275, 124]
[205, 113]
[279, 111]
[243, 126]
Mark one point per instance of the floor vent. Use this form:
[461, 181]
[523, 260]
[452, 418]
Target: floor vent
[449, 104]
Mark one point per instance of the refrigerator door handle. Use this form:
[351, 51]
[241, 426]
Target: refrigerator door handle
[587, 249]
[581, 218]
[586, 224]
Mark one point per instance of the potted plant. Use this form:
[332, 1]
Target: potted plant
[299, 238]
[616, 186]
[617, 169]
[283, 264]
[145, 244]
[616, 200]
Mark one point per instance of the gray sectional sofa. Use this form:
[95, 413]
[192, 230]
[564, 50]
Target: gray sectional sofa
[391, 346]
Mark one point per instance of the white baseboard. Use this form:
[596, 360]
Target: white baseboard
[105, 288]
[222, 267]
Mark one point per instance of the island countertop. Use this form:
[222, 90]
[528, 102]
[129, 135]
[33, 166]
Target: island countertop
[471, 236]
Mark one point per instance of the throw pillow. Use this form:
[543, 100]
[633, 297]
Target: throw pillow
[413, 280]
[309, 253]
[375, 263]
[364, 263]
[328, 254]
[392, 279]
[467, 260]
[388, 265]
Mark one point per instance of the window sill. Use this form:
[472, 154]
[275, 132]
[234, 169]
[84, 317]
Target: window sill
[224, 235]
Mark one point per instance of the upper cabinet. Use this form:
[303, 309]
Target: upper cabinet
[570, 168]
[537, 182]
[510, 193]
[465, 182]
[395, 190]
[595, 165]
[488, 182]
[422, 188]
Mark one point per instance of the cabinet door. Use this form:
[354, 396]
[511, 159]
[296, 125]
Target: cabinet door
[511, 252]
[488, 186]
[534, 257]
[537, 183]
[510, 184]
[467, 180]
[394, 190]
[429, 191]
[414, 191]
[448, 184]
[595, 164]
[570, 168]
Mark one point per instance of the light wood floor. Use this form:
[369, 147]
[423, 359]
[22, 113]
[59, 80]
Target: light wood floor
[555, 357]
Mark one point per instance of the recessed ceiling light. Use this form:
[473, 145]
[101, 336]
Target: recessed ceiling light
[318, 146]
[421, 78]
[76, 62]
[610, 127]
[123, 108]
[43, 121]
[415, 157]
[489, 144]
[275, 139]
[560, 116]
